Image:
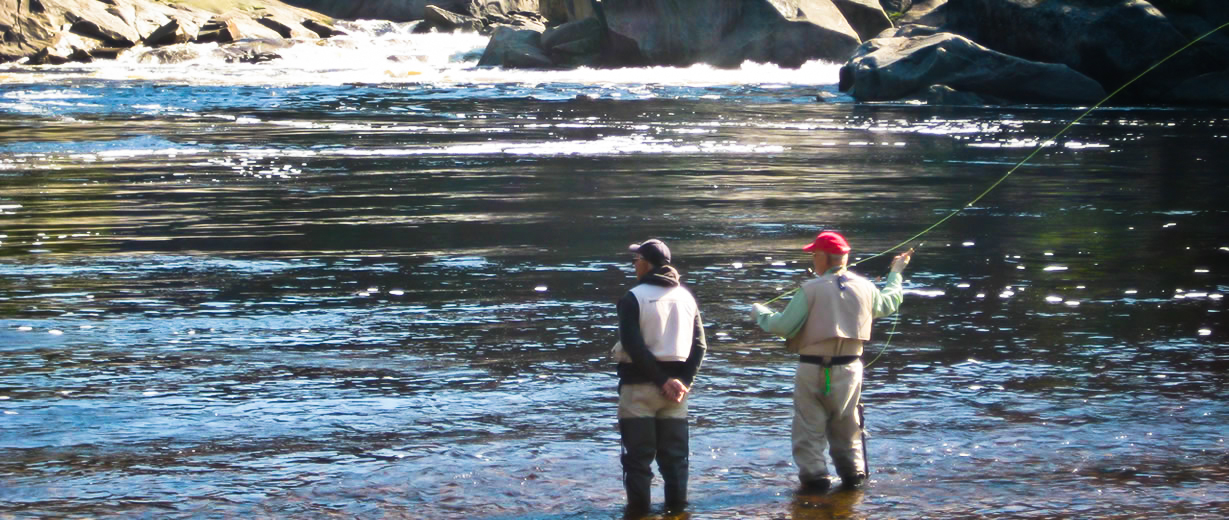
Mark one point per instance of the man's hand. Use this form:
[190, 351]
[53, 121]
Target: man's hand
[901, 261]
[675, 390]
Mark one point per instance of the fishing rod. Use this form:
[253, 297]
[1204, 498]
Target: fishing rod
[1037, 149]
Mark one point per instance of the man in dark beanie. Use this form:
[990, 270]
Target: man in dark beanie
[661, 346]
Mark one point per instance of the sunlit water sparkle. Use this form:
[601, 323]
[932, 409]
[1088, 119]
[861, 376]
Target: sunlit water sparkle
[344, 284]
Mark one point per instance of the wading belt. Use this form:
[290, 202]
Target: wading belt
[827, 362]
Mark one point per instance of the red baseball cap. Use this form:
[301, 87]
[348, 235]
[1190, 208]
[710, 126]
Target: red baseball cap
[829, 242]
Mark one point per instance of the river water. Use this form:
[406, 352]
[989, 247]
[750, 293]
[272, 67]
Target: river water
[372, 281]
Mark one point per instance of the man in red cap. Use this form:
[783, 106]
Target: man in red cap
[826, 323]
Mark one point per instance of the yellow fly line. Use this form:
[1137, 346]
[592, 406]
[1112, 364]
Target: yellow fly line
[1037, 149]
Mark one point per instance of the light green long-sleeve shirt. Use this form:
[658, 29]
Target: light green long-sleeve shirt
[789, 322]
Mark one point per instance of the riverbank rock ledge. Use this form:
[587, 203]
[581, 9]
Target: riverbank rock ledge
[938, 51]
[887, 69]
[993, 48]
[723, 33]
[59, 31]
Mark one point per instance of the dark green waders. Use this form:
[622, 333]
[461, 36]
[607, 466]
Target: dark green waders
[646, 439]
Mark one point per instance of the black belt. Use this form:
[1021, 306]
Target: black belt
[835, 360]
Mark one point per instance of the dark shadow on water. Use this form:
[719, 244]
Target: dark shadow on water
[840, 503]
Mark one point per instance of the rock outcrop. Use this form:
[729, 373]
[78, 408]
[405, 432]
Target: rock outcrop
[56, 31]
[559, 12]
[938, 51]
[887, 69]
[1208, 89]
[1111, 41]
[575, 43]
[493, 12]
[515, 48]
[1108, 41]
[865, 16]
[726, 33]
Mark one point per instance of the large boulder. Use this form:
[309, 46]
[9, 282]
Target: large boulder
[1195, 18]
[865, 16]
[286, 26]
[515, 49]
[1110, 41]
[563, 11]
[98, 21]
[574, 43]
[887, 69]
[410, 10]
[895, 6]
[436, 19]
[177, 30]
[65, 47]
[1208, 89]
[108, 26]
[392, 10]
[727, 32]
[924, 12]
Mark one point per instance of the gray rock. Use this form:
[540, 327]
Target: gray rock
[945, 95]
[1109, 41]
[448, 21]
[559, 12]
[219, 30]
[173, 32]
[924, 12]
[574, 43]
[726, 32]
[93, 20]
[166, 55]
[66, 47]
[515, 49]
[410, 10]
[286, 27]
[865, 16]
[321, 29]
[909, 31]
[1208, 89]
[35, 25]
[588, 31]
[895, 6]
[253, 51]
[889, 69]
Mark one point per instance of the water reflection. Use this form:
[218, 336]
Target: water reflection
[404, 309]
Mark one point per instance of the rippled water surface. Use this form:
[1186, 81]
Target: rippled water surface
[394, 298]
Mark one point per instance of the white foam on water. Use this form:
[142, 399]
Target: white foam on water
[380, 52]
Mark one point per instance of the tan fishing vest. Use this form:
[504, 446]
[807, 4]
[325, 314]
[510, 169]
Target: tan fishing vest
[838, 320]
